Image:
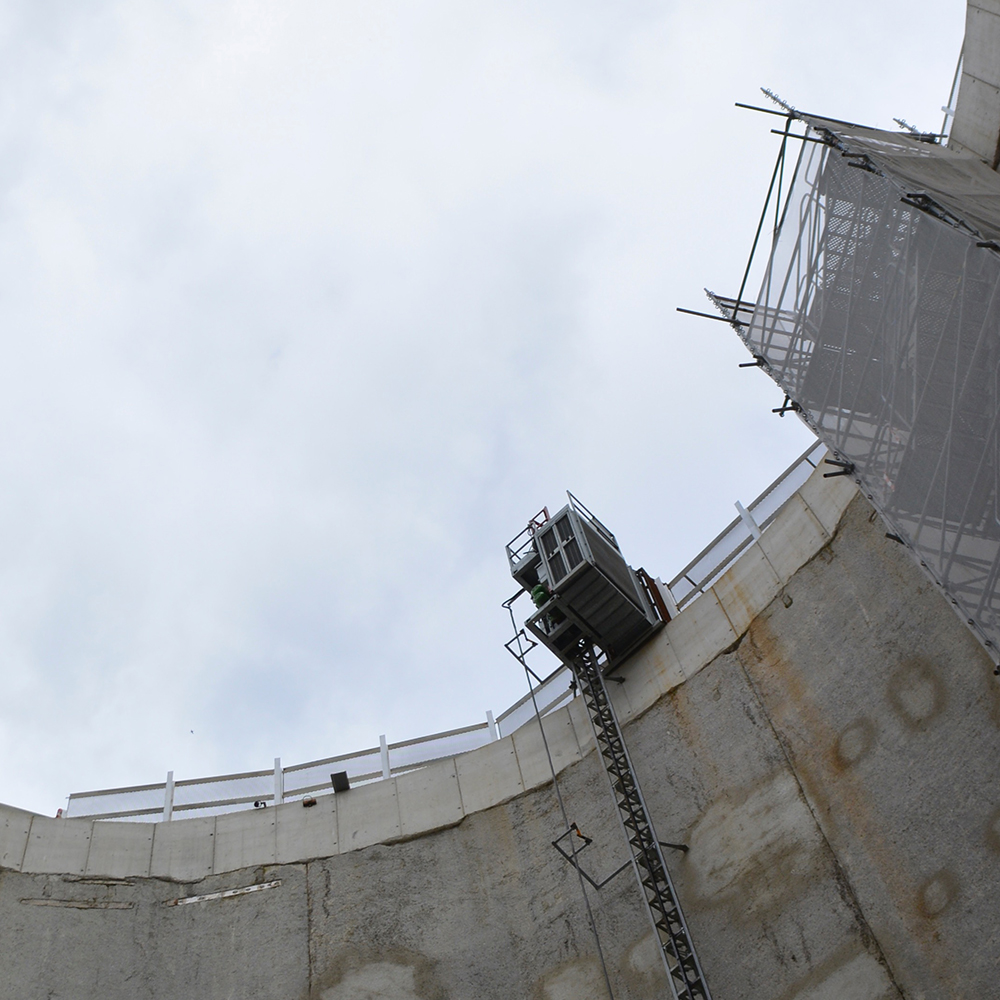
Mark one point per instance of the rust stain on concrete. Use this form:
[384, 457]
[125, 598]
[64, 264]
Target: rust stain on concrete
[854, 743]
[826, 762]
[937, 893]
[917, 693]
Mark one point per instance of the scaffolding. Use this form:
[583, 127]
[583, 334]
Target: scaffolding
[879, 317]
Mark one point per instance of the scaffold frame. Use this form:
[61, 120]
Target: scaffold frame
[879, 317]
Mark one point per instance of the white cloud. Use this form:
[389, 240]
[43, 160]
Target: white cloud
[307, 307]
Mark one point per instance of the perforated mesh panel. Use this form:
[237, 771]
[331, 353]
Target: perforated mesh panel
[146, 799]
[417, 752]
[882, 321]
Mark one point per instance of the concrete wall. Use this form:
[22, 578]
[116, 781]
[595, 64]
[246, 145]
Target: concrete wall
[442, 794]
[820, 729]
[976, 128]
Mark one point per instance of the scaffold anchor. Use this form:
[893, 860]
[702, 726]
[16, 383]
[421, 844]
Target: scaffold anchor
[675, 847]
[789, 405]
[843, 468]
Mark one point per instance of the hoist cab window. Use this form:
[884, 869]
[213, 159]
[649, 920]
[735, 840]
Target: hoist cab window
[561, 549]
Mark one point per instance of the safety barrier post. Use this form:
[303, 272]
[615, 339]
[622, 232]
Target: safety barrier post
[168, 798]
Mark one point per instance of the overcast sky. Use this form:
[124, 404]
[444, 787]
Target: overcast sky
[308, 306]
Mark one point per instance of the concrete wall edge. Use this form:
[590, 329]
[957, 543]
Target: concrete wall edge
[707, 627]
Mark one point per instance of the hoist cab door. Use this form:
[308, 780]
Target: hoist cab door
[562, 546]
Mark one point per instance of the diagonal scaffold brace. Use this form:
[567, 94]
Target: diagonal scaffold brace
[687, 981]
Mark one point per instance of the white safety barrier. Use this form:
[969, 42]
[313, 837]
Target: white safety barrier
[722, 551]
[227, 793]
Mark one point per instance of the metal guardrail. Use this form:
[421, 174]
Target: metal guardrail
[553, 693]
[212, 796]
[725, 548]
[231, 792]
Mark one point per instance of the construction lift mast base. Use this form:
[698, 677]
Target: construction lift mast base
[687, 980]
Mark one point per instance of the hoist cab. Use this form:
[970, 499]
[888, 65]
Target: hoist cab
[582, 587]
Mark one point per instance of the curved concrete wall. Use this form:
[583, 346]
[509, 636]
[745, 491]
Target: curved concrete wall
[819, 728]
[441, 794]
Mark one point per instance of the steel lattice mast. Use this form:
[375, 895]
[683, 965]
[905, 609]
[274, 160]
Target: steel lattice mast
[686, 978]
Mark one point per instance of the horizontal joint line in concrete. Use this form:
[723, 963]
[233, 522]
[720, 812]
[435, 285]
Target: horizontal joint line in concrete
[81, 904]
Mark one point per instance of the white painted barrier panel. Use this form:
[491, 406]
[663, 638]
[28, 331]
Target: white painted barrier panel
[725, 612]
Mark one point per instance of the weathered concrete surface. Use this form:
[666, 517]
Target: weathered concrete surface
[65, 937]
[485, 909]
[433, 797]
[829, 756]
[888, 713]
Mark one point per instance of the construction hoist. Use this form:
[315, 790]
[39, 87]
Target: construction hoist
[593, 610]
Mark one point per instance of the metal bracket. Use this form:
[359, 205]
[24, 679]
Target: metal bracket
[704, 315]
[525, 644]
[683, 848]
[844, 468]
[522, 650]
[862, 162]
[920, 136]
[571, 858]
[788, 406]
[925, 203]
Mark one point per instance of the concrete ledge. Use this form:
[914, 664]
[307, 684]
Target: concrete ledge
[119, 850]
[793, 538]
[14, 827]
[244, 838]
[440, 794]
[429, 798]
[747, 588]
[580, 720]
[649, 675]
[828, 498]
[57, 846]
[304, 833]
[488, 776]
[530, 748]
[368, 814]
[699, 633]
[183, 849]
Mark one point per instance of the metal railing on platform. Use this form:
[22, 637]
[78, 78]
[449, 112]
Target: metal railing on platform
[725, 548]
[212, 796]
